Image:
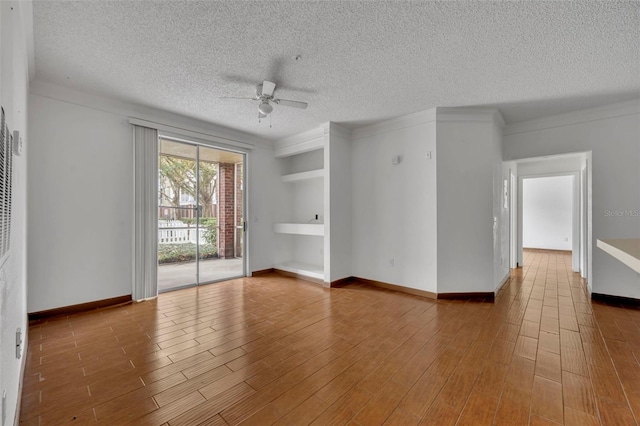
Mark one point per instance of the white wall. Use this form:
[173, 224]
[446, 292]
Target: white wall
[80, 213]
[15, 26]
[338, 203]
[584, 220]
[512, 167]
[263, 176]
[433, 213]
[547, 212]
[80, 208]
[501, 211]
[394, 206]
[612, 134]
[471, 219]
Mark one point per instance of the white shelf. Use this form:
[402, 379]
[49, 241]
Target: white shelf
[299, 228]
[626, 250]
[296, 177]
[306, 269]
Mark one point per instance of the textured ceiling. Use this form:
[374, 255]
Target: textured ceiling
[361, 61]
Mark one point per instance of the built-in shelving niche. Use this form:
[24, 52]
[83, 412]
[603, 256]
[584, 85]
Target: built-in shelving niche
[301, 230]
[312, 224]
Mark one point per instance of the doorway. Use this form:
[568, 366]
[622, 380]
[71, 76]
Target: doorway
[575, 165]
[201, 213]
[548, 213]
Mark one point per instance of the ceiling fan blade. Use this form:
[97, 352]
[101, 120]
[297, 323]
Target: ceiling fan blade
[234, 97]
[268, 87]
[295, 104]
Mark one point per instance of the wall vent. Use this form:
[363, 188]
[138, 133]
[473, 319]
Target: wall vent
[6, 184]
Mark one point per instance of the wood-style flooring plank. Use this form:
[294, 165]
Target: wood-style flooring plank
[277, 350]
[514, 406]
[440, 414]
[400, 417]
[546, 399]
[578, 394]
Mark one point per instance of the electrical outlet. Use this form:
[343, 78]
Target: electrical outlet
[392, 262]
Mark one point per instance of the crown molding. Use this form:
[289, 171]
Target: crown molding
[438, 114]
[119, 108]
[396, 123]
[306, 141]
[582, 116]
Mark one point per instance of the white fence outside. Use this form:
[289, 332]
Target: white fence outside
[162, 223]
[177, 232]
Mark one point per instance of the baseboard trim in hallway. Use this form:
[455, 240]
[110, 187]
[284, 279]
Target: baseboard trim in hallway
[550, 251]
[395, 287]
[485, 295]
[615, 300]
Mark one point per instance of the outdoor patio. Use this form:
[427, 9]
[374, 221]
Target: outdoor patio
[175, 275]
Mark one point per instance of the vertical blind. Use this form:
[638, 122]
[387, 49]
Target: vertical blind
[145, 203]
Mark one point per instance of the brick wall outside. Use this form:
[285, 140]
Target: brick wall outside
[239, 199]
[226, 192]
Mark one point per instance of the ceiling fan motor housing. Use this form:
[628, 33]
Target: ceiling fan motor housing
[265, 107]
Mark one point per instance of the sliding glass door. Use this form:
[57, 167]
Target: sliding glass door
[221, 195]
[201, 214]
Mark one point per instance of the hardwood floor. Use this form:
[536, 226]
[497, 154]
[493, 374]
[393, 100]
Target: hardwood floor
[274, 350]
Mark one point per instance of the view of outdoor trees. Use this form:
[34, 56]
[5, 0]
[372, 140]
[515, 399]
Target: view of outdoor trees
[180, 176]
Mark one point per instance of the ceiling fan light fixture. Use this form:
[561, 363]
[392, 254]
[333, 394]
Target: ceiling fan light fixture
[265, 108]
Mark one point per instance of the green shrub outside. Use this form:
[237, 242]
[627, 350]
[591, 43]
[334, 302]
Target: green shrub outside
[172, 253]
[210, 234]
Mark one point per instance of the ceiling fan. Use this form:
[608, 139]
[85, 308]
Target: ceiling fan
[264, 94]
